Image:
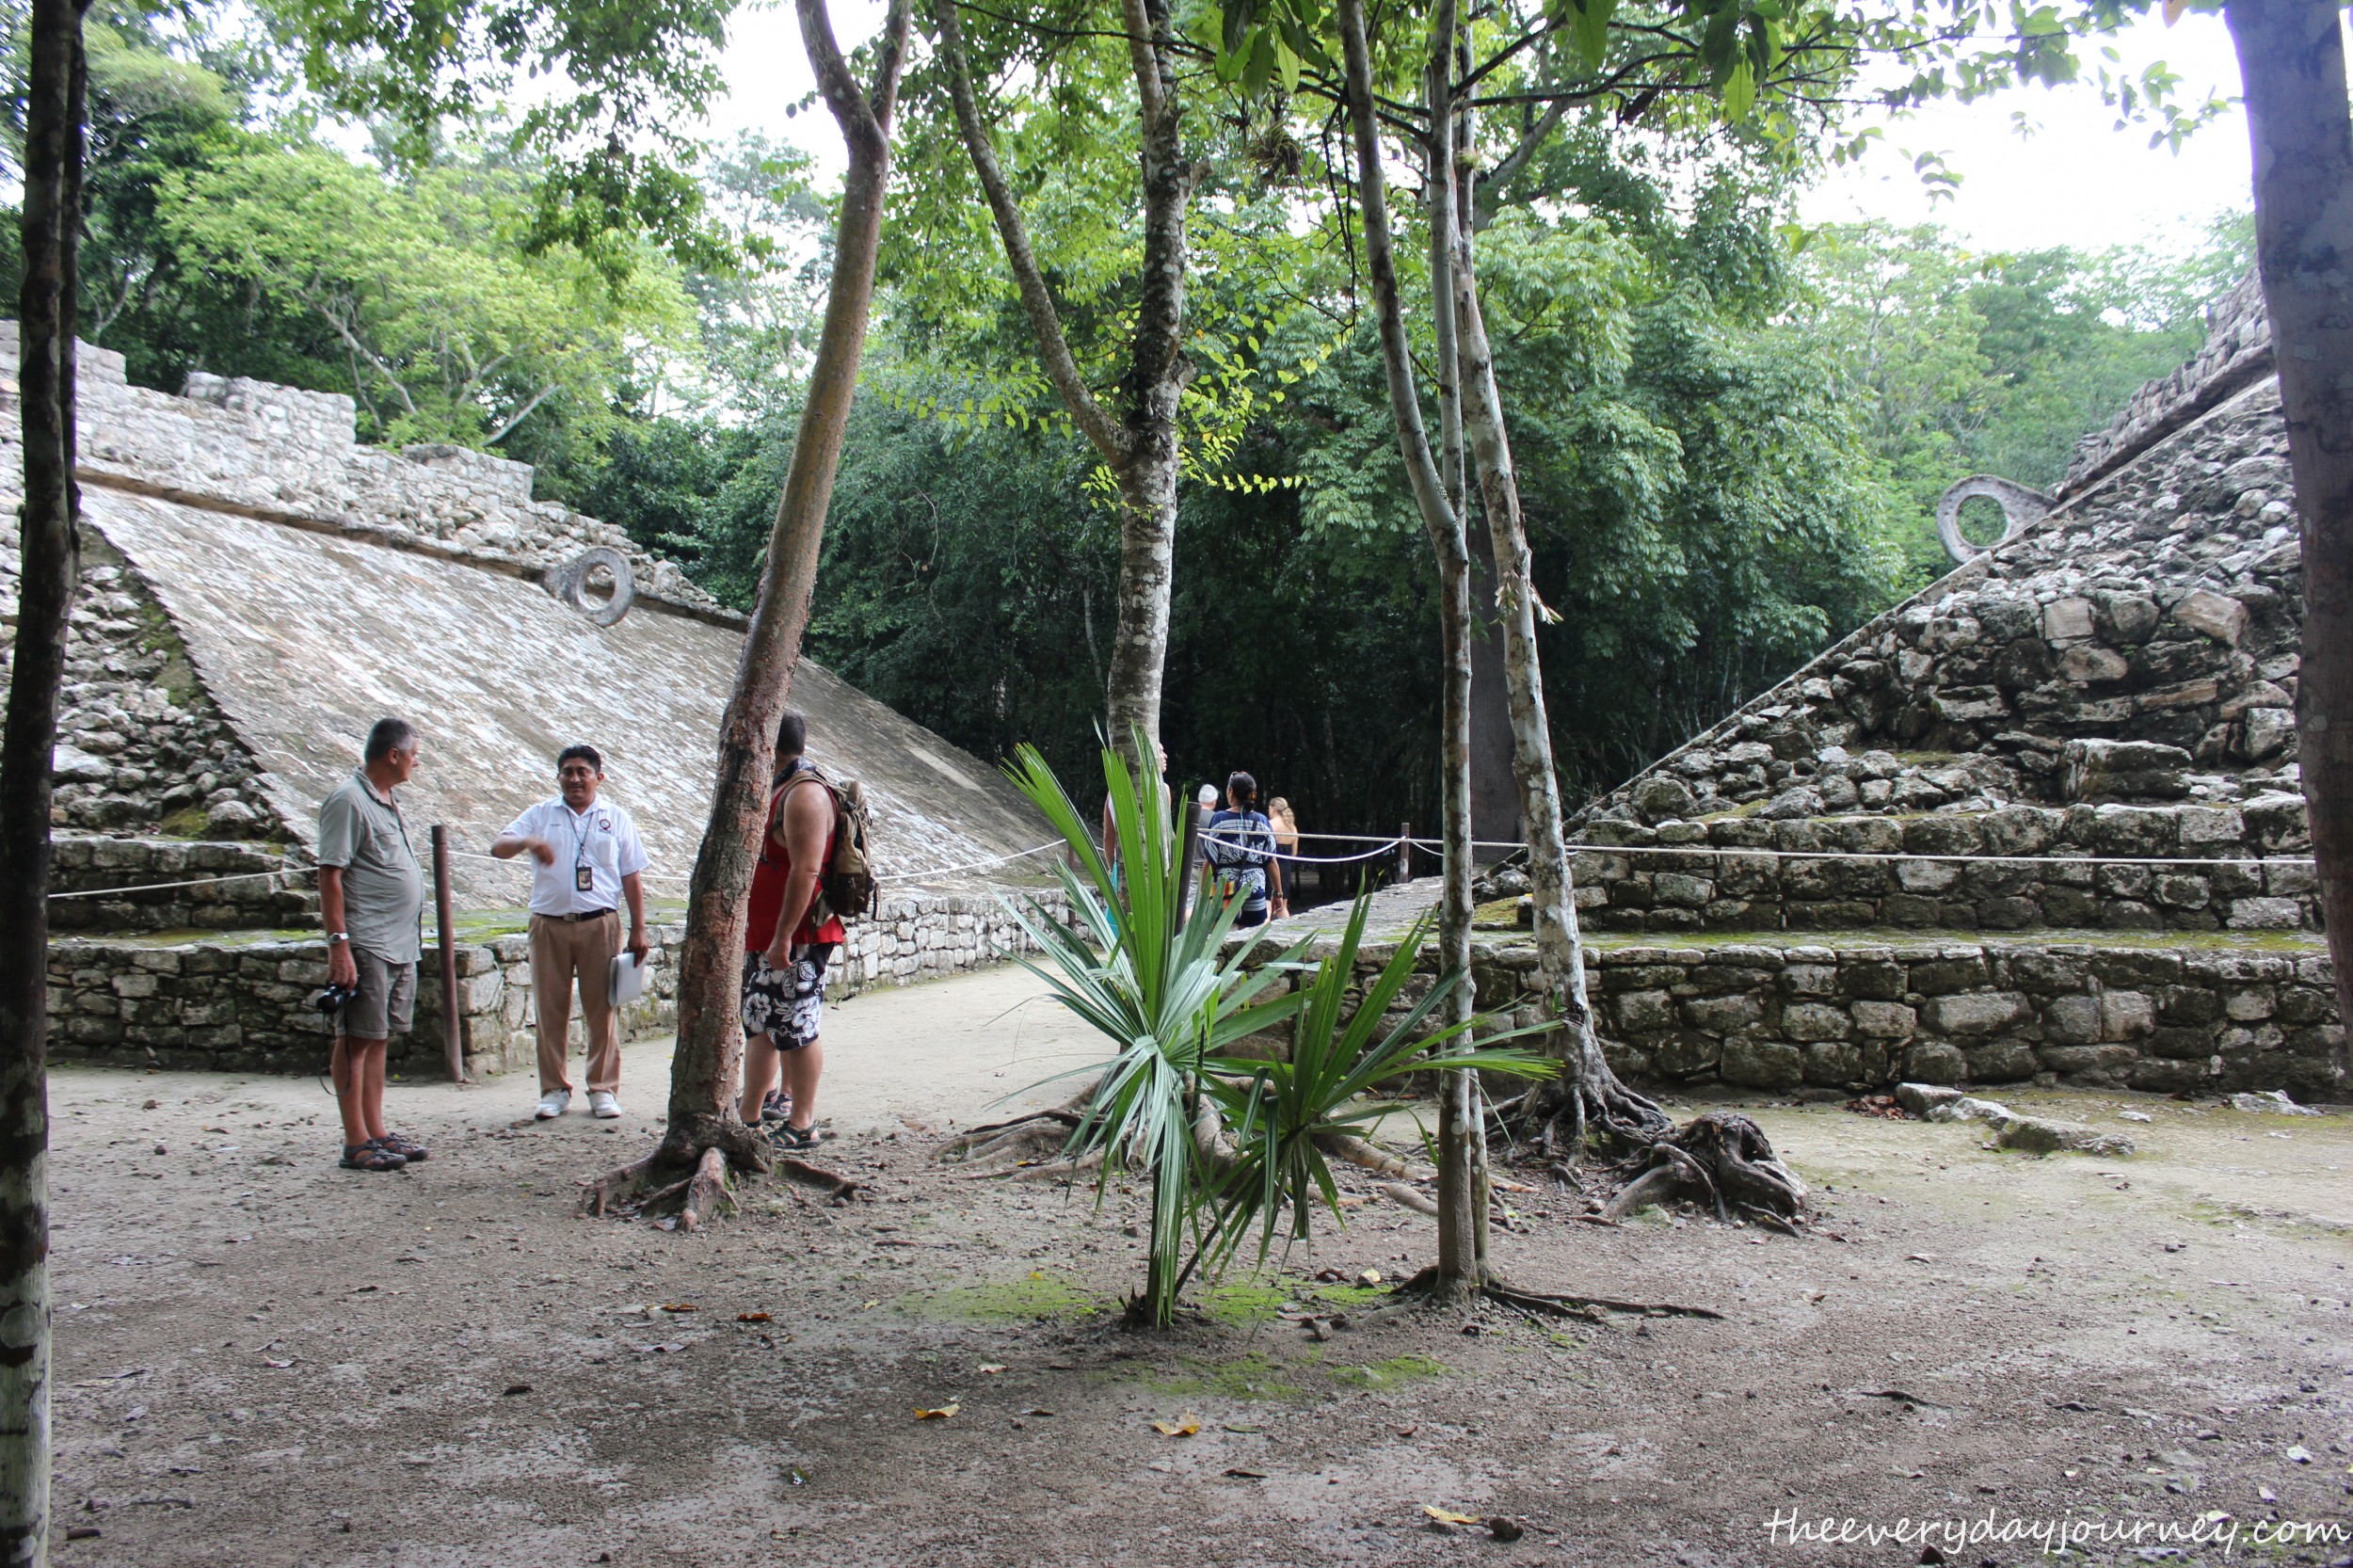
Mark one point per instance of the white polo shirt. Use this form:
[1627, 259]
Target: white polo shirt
[599, 846]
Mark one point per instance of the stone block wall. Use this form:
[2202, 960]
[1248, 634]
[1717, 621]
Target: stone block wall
[280, 452]
[2237, 352]
[1777, 1017]
[141, 747]
[2159, 608]
[2241, 867]
[257, 886]
[244, 1004]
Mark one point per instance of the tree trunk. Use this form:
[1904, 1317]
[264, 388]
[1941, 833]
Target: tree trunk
[2292, 62]
[708, 1066]
[1462, 1266]
[1141, 445]
[1589, 1093]
[48, 568]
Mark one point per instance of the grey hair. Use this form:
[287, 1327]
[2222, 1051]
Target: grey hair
[388, 735]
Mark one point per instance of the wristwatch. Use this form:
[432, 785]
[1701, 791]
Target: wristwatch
[334, 936]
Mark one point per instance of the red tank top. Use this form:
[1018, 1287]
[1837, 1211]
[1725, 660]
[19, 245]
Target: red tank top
[769, 876]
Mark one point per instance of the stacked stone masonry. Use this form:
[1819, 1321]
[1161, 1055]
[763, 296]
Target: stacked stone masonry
[244, 1004]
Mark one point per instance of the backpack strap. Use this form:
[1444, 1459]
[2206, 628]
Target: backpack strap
[805, 772]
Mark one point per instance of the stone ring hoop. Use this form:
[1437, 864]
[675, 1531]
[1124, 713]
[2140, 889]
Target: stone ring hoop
[2022, 508]
[569, 582]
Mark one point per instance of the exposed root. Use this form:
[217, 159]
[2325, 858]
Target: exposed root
[1397, 1192]
[595, 1195]
[704, 1190]
[1348, 1146]
[1602, 1110]
[1720, 1159]
[1544, 1304]
[1025, 1137]
[839, 1188]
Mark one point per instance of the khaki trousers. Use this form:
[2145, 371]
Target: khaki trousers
[561, 950]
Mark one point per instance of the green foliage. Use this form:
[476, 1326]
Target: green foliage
[1957, 362]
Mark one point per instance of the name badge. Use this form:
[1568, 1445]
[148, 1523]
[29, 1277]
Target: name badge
[584, 879]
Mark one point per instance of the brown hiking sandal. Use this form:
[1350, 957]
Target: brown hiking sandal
[404, 1146]
[371, 1156]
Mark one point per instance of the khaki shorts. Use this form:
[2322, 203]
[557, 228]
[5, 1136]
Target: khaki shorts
[386, 1004]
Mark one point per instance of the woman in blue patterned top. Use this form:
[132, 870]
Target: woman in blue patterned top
[1238, 855]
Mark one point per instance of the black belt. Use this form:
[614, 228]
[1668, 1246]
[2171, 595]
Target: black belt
[583, 915]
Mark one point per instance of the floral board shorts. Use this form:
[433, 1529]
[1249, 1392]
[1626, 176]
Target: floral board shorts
[789, 1004]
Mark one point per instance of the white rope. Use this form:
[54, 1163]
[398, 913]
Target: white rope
[195, 882]
[1897, 854]
[974, 865]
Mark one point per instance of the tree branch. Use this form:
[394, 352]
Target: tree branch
[501, 433]
[1037, 300]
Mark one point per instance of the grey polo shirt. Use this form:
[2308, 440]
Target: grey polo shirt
[383, 884]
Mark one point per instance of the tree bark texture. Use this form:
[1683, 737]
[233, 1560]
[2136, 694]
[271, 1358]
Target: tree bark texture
[1590, 1094]
[2292, 63]
[49, 567]
[1139, 443]
[1462, 1266]
[709, 1059]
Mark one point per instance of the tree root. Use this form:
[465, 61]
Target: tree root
[703, 1192]
[1022, 1137]
[691, 1170]
[1541, 1303]
[1720, 1159]
[1348, 1146]
[1397, 1192]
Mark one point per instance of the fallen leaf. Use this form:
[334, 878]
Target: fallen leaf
[752, 1318]
[2299, 1454]
[1040, 1411]
[1405, 1432]
[680, 1306]
[1243, 1472]
[1370, 1277]
[990, 1368]
[941, 1415]
[1447, 1516]
[273, 1361]
[514, 1388]
[865, 1307]
[1184, 1426]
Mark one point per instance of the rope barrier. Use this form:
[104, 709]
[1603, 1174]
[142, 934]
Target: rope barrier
[194, 882]
[1956, 860]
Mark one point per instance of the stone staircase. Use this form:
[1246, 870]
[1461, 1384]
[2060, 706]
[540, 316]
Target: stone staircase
[2040, 822]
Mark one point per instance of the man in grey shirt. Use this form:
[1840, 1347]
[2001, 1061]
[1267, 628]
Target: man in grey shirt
[371, 892]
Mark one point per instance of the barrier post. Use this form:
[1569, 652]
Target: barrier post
[1193, 849]
[451, 1038]
[1405, 852]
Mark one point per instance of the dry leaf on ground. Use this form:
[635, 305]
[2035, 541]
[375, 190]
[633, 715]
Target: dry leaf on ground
[941, 1415]
[1184, 1426]
[1447, 1516]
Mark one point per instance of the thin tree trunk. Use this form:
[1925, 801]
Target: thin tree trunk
[1590, 1093]
[2292, 62]
[1140, 445]
[1461, 1265]
[48, 567]
[708, 1066]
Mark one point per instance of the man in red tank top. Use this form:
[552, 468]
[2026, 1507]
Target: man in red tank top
[785, 948]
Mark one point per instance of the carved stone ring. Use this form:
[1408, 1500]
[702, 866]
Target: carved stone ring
[569, 582]
[2022, 508]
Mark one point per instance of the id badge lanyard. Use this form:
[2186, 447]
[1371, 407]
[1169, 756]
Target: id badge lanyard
[583, 874]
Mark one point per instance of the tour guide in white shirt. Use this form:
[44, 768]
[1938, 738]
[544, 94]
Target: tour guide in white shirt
[585, 860]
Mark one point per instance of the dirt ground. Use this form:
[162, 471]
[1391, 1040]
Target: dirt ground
[265, 1360]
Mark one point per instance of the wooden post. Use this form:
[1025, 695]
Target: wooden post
[451, 1038]
[1405, 852]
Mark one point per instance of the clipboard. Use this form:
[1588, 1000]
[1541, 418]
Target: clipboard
[627, 982]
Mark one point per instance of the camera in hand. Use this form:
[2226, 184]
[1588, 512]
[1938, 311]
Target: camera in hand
[334, 999]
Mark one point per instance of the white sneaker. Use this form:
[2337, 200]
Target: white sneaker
[603, 1102]
[553, 1104]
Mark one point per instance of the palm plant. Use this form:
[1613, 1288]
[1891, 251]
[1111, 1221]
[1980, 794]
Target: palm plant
[1231, 1144]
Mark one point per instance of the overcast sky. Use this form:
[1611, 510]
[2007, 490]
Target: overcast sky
[2075, 181]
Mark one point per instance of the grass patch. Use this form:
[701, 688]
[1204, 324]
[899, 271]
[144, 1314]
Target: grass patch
[1392, 1373]
[1037, 1295]
[1245, 1303]
[1254, 1376]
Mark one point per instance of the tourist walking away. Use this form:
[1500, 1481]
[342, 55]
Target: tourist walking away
[790, 935]
[1286, 825]
[371, 895]
[586, 862]
[1238, 855]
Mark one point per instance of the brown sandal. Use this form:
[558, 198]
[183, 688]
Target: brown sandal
[403, 1145]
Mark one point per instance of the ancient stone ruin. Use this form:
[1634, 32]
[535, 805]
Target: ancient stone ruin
[257, 587]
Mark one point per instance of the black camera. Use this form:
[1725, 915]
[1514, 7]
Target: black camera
[334, 999]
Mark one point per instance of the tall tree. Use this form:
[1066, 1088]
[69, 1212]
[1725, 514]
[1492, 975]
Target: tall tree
[1438, 496]
[1136, 439]
[704, 1133]
[48, 564]
[2292, 61]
